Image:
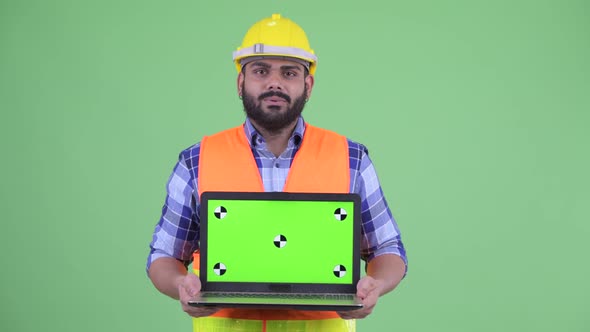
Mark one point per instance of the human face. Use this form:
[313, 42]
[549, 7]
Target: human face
[274, 92]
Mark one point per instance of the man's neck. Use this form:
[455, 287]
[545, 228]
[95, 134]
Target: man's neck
[276, 140]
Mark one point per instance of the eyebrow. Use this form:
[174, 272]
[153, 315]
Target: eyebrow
[267, 66]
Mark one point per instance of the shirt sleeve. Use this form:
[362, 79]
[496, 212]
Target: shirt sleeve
[381, 234]
[176, 234]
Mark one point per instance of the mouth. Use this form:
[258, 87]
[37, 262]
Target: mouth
[274, 100]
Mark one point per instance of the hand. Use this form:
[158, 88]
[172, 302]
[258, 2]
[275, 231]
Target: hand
[368, 290]
[188, 287]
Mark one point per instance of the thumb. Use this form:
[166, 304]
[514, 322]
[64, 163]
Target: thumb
[365, 286]
[191, 284]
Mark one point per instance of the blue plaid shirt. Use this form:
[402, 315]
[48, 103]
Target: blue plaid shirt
[177, 233]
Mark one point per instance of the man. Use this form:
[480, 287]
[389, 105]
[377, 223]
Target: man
[274, 150]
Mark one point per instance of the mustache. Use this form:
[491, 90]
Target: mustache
[275, 94]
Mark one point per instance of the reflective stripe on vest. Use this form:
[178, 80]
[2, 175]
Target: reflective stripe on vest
[213, 324]
[321, 164]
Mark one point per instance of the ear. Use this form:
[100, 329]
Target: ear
[309, 80]
[240, 82]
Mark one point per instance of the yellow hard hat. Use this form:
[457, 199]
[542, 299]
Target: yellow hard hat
[276, 36]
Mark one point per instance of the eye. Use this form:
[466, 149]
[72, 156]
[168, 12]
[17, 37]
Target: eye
[259, 71]
[290, 74]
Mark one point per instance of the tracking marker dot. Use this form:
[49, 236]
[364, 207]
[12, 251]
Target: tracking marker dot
[220, 212]
[339, 271]
[340, 214]
[280, 241]
[219, 269]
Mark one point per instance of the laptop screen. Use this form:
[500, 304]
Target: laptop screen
[306, 239]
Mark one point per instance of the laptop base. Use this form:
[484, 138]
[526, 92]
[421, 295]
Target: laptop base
[320, 302]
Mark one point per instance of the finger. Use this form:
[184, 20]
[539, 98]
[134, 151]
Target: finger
[354, 314]
[199, 312]
[344, 315]
[365, 286]
[194, 283]
[190, 285]
[185, 292]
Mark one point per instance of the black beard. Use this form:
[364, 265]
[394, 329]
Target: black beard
[273, 122]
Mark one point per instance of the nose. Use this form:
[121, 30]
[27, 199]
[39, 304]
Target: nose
[275, 81]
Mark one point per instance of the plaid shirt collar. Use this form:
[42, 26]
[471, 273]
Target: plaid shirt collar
[254, 135]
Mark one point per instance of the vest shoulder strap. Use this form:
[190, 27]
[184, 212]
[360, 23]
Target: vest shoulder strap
[321, 164]
[226, 163]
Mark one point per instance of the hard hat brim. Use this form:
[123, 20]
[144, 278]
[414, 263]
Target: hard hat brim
[243, 56]
[244, 61]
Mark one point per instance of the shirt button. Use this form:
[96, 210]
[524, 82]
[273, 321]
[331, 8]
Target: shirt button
[277, 165]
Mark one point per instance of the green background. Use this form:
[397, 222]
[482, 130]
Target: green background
[476, 114]
[291, 263]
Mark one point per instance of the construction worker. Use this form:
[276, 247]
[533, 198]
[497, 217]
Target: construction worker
[274, 150]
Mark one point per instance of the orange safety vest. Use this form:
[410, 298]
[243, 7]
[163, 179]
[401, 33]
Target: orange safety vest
[226, 163]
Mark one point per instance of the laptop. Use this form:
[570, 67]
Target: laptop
[278, 250]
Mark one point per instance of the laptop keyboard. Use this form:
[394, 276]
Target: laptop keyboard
[280, 296]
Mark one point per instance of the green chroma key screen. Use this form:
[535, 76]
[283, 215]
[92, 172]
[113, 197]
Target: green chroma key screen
[280, 241]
